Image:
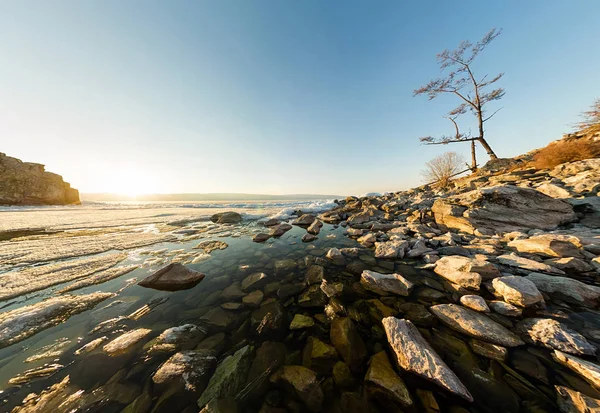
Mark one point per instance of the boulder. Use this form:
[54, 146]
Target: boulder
[229, 377]
[385, 284]
[347, 341]
[228, 217]
[301, 382]
[474, 324]
[517, 290]
[416, 356]
[501, 209]
[391, 249]
[308, 238]
[319, 356]
[301, 321]
[549, 245]
[551, 334]
[173, 277]
[359, 218]
[261, 237]
[525, 265]
[315, 227]
[384, 384]
[336, 256]
[464, 271]
[253, 299]
[304, 220]
[567, 289]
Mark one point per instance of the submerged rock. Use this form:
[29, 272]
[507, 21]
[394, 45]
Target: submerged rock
[474, 324]
[24, 322]
[384, 284]
[36, 373]
[382, 382]
[173, 277]
[347, 341]
[184, 337]
[301, 382]
[416, 355]
[551, 334]
[229, 377]
[187, 370]
[255, 281]
[126, 342]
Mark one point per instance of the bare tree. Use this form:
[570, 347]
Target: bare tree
[461, 82]
[591, 119]
[442, 168]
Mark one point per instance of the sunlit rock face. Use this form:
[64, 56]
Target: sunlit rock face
[25, 183]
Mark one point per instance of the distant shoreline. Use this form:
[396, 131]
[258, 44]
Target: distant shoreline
[100, 197]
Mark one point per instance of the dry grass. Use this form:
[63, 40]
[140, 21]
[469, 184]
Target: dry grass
[565, 151]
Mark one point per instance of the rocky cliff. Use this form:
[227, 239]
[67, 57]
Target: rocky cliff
[26, 183]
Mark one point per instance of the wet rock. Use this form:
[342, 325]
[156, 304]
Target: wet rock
[566, 289]
[24, 322]
[347, 341]
[173, 277]
[505, 308]
[474, 324]
[304, 220]
[554, 335]
[359, 218]
[216, 343]
[261, 237]
[383, 384]
[315, 227]
[229, 377]
[589, 371]
[301, 382]
[290, 290]
[500, 209]
[525, 265]
[91, 346]
[570, 401]
[184, 337]
[385, 284]
[342, 376]
[35, 374]
[232, 306]
[211, 245]
[312, 297]
[517, 290]
[549, 245]
[126, 342]
[416, 355]
[391, 249]
[253, 299]
[279, 230]
[187, 370]
[268, 319]
[315, 274]
[301, 321]
[233, 292]
[218, 319]
[308, 238]
[489, 350]
[270, 356]
[271, 222]
[285, 266]
[336, 256]
[475, 302]
[464, 271]
[255, 281]
[332, 289]
[319, 356]
[228, 217]
[221, 405]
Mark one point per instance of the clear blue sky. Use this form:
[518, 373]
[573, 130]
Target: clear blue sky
[274, 96]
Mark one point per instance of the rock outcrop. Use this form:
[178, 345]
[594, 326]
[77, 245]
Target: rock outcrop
[26, 183]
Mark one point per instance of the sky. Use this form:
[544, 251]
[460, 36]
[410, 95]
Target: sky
[275, 96]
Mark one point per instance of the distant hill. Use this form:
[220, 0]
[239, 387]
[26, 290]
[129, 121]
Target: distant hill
[205, 197]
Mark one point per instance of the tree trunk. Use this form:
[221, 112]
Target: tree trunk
[473, 157]
[481, 139]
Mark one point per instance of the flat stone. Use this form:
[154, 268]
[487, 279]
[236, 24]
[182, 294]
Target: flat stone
[504, 308]
[391, 249]
[381, 381]
[228, 217]
[385, 284]
[261, 237]
[475, 302]
[517, 290]
[549, 333]
[308, 237]
[571, 401]
[173, 277]
[474, 324]
[526, 265]
[126, 342]
[233, 292]
[588, 371]
[464, 271]
[566, 289]
[549, 245]
[415, 355]
[489, 350]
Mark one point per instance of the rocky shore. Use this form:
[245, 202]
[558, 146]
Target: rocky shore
[26, 183]
[481, 298]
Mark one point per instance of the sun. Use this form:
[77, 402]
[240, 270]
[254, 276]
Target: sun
[128, 181]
